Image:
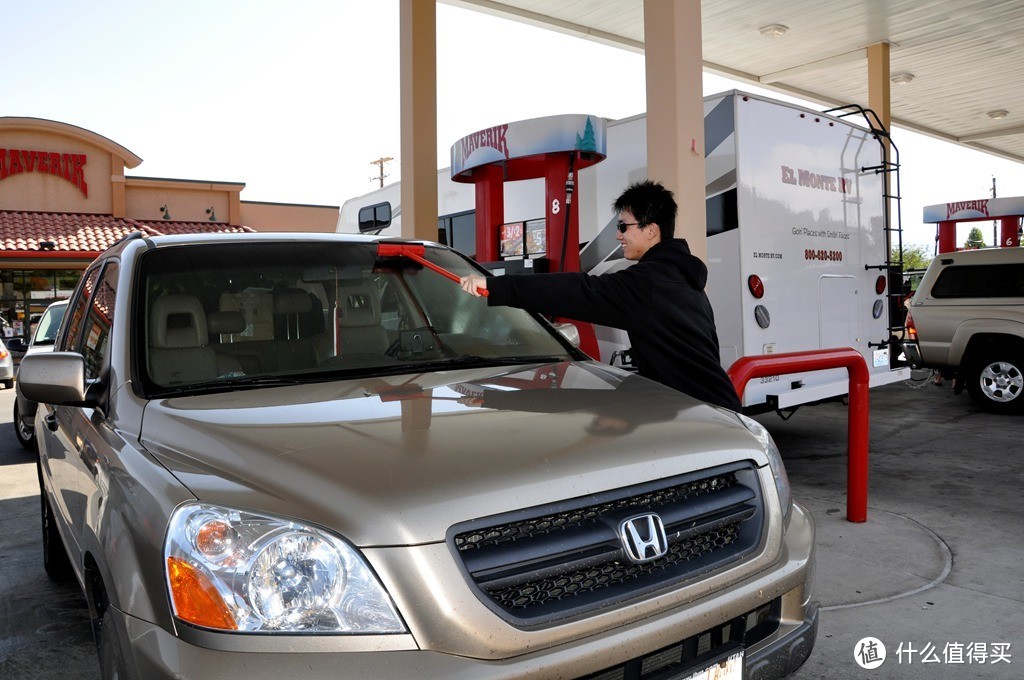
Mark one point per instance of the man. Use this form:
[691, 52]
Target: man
[659, 301]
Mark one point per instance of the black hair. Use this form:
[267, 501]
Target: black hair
[650, 202]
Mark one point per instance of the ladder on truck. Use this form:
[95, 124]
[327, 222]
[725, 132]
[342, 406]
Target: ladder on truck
[893, 268]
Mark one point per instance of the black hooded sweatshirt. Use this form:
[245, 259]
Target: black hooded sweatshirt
[659, 302]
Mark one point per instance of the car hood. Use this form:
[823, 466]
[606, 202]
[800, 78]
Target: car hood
[398, 460]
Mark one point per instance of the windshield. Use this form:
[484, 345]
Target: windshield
[46, 331]
[248, 314]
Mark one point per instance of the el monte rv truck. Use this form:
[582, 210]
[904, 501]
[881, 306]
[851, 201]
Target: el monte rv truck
[796, 235]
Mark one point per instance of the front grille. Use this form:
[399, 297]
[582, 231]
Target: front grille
[547, 563]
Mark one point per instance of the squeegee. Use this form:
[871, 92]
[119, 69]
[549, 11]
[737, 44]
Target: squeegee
[416, 252]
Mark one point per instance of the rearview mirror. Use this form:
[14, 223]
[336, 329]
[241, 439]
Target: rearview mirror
[569, 332]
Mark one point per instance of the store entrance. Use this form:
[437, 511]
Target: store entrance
[26, 293]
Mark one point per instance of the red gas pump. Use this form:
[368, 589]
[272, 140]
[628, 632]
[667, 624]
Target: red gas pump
[554, 148]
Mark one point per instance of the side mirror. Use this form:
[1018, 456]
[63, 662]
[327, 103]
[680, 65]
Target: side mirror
[53, 378]
[17, 345]
[569, 332]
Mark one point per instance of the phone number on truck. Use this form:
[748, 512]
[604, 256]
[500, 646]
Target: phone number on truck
[827, 255]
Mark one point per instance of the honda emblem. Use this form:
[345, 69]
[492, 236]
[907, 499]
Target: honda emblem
[643, 538]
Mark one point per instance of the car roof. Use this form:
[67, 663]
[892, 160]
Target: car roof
[982, 255]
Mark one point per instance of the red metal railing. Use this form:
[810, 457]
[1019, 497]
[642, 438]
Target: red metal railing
[748, 368]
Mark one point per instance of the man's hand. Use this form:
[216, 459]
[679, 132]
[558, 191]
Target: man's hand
[473, 284]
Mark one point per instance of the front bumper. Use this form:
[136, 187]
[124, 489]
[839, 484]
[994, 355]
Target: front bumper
[786, 586]
[161, 655]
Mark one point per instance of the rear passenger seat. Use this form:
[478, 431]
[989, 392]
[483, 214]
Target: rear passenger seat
[293, 348]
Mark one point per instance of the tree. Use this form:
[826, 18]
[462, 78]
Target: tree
[975, 239]
[914, 257]
[586, 142]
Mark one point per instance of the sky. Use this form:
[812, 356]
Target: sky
[296, 99]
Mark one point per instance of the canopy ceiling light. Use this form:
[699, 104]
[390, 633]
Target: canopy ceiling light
[773, 30]
[998, 114]
[902, 78]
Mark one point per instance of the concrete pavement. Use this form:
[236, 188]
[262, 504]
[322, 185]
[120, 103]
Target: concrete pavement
[936, 574]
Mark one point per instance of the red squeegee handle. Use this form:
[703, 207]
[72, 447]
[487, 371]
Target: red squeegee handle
[415, 252]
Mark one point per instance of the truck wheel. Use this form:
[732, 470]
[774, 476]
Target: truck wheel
[24, 431]
[55, 557]
[996, 381]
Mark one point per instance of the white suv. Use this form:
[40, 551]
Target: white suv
[968, 316]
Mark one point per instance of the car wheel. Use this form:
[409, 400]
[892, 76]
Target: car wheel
[9, 384]
[110, 647]
[24, 430]
[55, 557]
[996, 382]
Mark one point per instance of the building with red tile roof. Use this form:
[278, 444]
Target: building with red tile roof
[65, 197]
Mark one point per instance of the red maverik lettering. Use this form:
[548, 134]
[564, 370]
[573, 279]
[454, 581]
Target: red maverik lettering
[493, 138]
[67, 166]
[980, 205]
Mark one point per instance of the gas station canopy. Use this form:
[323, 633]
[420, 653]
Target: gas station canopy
[956, 67]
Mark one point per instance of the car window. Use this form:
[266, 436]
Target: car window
[96, 337]
[980, 281]
[80, 305]
[46, 331]
[241, 313]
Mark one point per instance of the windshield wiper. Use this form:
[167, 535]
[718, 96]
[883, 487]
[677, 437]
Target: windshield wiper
[466, 361]
[232, 384]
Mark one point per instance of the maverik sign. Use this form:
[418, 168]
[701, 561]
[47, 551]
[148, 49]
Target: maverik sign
[69, 166]
[534, 137]
[979, 209]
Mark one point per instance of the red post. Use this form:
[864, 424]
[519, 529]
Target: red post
[490, 212]
[1008, 232]
[947, 237]
[750, 367]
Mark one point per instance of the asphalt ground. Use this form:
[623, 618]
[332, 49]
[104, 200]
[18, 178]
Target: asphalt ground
[935, 575]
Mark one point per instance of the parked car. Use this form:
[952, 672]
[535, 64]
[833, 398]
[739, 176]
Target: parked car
[967, 318]
[307, 455]
[42, 341]
[6, 367]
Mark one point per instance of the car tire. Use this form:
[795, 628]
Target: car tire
[55, 557]
[9, 384]
[24, 430]
[995, 380]
[110, 646]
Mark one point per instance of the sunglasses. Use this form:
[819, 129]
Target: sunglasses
[623, 226]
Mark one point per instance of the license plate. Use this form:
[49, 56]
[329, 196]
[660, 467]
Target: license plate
[730, 668]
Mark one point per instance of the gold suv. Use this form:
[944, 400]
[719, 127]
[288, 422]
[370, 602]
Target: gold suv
[967, 316]
[271, 456]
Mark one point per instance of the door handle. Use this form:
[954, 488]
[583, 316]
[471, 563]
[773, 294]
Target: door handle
[88, 456]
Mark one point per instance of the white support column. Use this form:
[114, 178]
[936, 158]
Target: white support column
[675, 111]
[418, 20]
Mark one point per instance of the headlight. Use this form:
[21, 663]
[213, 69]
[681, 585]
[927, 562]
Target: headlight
[238, 571]
[775, 460]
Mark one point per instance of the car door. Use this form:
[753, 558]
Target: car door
[75, 437]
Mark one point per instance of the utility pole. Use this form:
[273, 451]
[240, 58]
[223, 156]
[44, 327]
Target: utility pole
[380, 168]
[995, 235]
